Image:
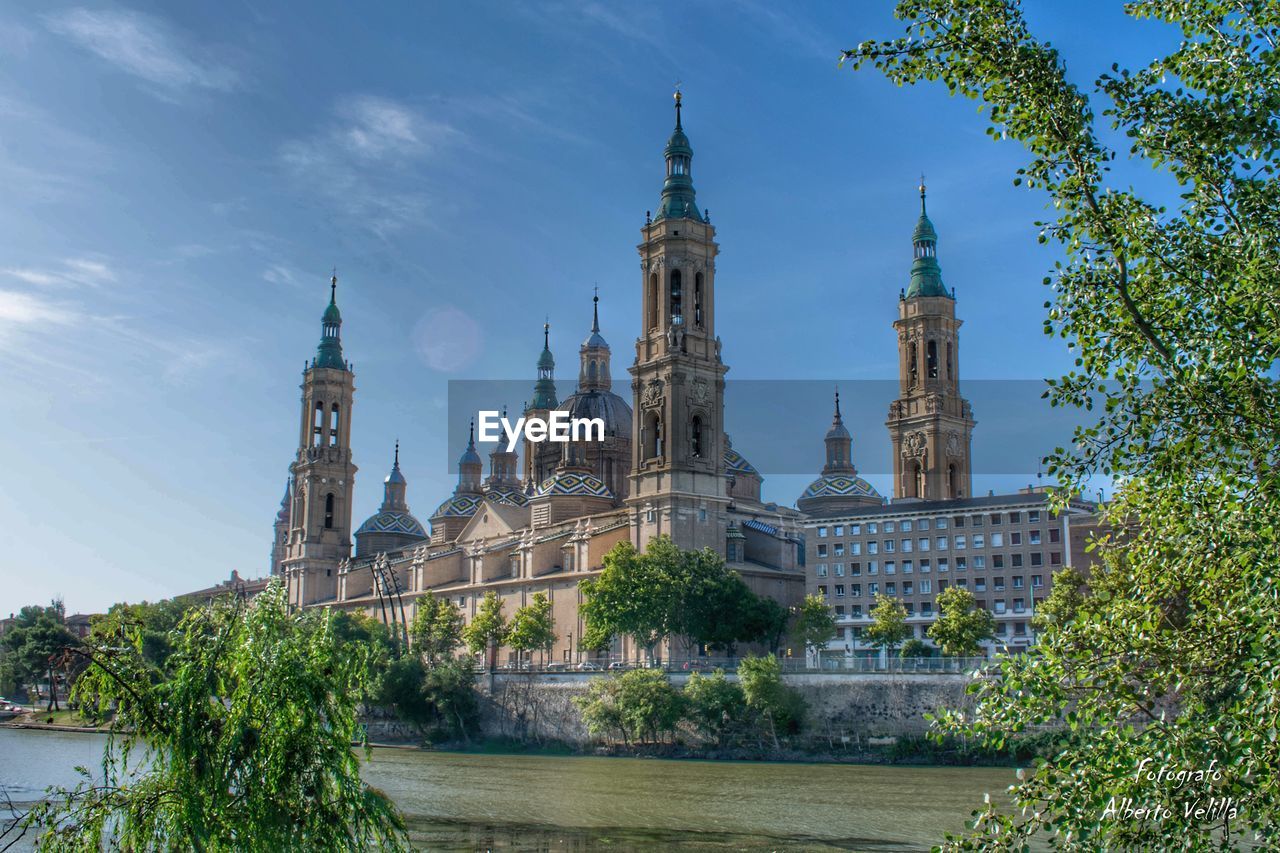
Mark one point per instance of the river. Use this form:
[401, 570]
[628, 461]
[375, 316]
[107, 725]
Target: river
[465, 801]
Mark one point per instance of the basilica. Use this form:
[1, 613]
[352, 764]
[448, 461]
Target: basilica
[542, 520]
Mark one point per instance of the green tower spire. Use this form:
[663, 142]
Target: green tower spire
[678, 197]
[544, 390]
[926, 275]
[329, 353]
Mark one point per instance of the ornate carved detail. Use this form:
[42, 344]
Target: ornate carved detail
[932, 403]
[966, 410]
[953, 443]
[915, 444]
[699, 394]
[652, 396]
[686, 262]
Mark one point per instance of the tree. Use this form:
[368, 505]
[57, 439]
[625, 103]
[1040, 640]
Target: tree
[766, 620]
[439, 699]
[639, 705]
[372, 640]
[153, 622]
[244, 743]
[915, 648]
[437, 627]
[1063, 601]
[960, 628]
[781, 707]
[533, 627]
[488, 630]
[666, 592]
[815, 624]
[714, 704]
[888, 625]
[35, 647]
[1169, 304]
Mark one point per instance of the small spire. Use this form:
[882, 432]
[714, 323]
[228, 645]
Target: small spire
[838, 416]
[546, 334]
[922, 212]
[595, 311]
[678, 99]
[471, 435]
[396, 463]
[333, 288]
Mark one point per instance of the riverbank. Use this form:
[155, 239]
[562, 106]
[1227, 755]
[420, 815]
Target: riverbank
[55, 721]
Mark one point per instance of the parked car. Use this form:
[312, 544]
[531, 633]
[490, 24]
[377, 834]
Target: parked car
[621, 664]
[559, 666]
[589, 666]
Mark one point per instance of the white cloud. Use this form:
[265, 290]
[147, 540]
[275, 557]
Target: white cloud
[280, 274]
[143, 46]
[72, 271]
[27, 309]
[364, 162]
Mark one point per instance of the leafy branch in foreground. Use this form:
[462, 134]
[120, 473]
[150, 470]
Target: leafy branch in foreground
[1172, 310]
[243, 742]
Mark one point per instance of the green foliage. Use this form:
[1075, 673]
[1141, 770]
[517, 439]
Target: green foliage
[1063, 601]
[715, 705]
[781, 707]
[152, 622]
[915, 648]
[488, 630]
[35, 647]
[814, 625]
[1173, 314]
[666, 592]
[369, 638]
[888, 625]
[961, 628]
[439, 699]
[243, 742]
[533, 627]
[639, 705]
[436, 629]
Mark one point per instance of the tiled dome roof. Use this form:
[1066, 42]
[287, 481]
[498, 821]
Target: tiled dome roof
[736, 463]
[574, 483]
[458, 506]
[392, 521]
[840, 486]
[606, 405]
[507, 496]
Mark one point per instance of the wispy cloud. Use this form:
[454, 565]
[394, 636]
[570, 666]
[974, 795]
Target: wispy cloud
[18, 310]
[145, 47]
[365, 162]
[70, 272]
[280, 274]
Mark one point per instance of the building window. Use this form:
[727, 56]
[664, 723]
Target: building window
[924, 567]
[888, 527]
[1035, 537]
[873, 547]
[1055, 558]
[979, 541]
[995, 518]
[872, 527]
[1016, 561]
[979, 561]
[939, 524]
[822, 590]
[697, 300]
[923, 543]
[822, 570]
[873, 589]
[907, 588]
[328, 510]
[890, 546]
[1015, 517]
[889, 567]
[855, 569]
[907, 545]
[695, 437]
[1019, 605]
[855, 590]
[942, 543]
[907, 567]
[855, 548]
[822, 550]
[1017, 581]
[979, 584]
[855, 611]
[653, 436]
[926, 586]
[998, 584]
[931, 359]
[872, 568]
[961, 565]
[839, 590]
[922, 524]
[1037, 581]
[855, 529]
[317, 425]
[999, 605]
[839, 551]
[1037, 558]
[957, 521]
[677, 311]
[653, 301]
[839, 611]
[839, 567]
[906, 525]
[943, 565]
[1055, 535]
[891, 588]
[333, 426]
[959, 543]
[1033, 515]
[997, 561]
[1015, 538]
[997, 539]
[822, 533]
[926, 608]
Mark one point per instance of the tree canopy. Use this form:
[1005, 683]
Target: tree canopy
[436, 630]
[888, 625]
[960, 627]
[1169, 301]
[242, 743]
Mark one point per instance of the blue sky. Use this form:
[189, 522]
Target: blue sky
[179, 179]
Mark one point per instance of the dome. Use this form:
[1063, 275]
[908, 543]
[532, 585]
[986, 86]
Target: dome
[469, 456]
[736, 464]
[506, 496]
[596, 341]
[458, 506]
[395, 476]
[924, 231]
[574, 483]
[392, 521]
[606, 405]
[840, 486]
[331, 314]
[838, 430]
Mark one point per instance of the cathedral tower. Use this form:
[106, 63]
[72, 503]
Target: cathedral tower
[323, 473]
[930, 424]
[677, 469]
[540, 459]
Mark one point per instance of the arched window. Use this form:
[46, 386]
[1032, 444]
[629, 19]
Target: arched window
[953, 481]
[949, 374]
[653, 301]
[652, 436]
[328, 510]
[676, 296]
[695, 437]
[931, 355]
[697, 300]
[912, 366]
[333, 426]
[317, 425]
[911, 477]
[591, 371]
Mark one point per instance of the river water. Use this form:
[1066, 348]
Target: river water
[463, 801]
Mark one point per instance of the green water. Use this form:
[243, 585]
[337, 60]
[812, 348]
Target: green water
[457, 801]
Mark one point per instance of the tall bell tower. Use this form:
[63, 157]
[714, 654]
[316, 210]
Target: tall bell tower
[677, 471]
[323, 473]
[930, 424]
